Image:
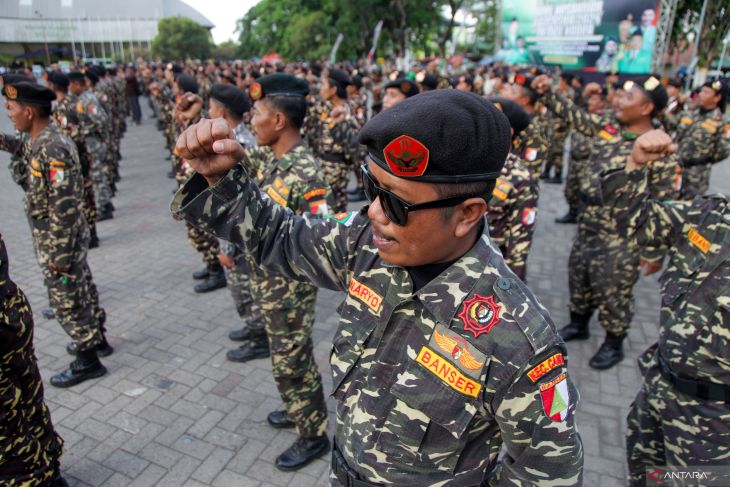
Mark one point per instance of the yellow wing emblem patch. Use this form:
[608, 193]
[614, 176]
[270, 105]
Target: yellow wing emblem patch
[458, 349]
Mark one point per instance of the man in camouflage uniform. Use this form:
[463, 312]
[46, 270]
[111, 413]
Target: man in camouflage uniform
[682, 412]
[94, 128]
[703, 136]
[30, 448]
[53, 194]
[331, 131]
[603, 266]
[65, 116]
[442, 356]
[558, 133]
[531, 145]
[513, 206]
[287, 171]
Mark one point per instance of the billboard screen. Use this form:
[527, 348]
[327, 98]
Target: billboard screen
[594, 35]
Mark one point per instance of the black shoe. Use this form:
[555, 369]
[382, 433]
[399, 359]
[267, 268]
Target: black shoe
[610, 353]
[554, 180]
[201, 274]
[577, 329]
[106, 212]
[303, 451]
[216, 280]
[85, 367]
[48, 313]
[171, 175]
[113, 187]
[249, 351]
[94, 240]
[356, 196]
[570, 217]
[102, 350]
[58, 481]
[246, 333]
[545, 174]
[280, 419]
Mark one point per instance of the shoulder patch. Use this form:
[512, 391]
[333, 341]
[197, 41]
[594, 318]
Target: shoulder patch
[319, 207]
[545, 366]
[274, 195]
[696, 239]
[315, 192]
[80, 107]
[57, 176]
[556, 398]
[528, 216]
[465, 356]
[479, 314]
[344, 218]
[530, 154]
[686, 121]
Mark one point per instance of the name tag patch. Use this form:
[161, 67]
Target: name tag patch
[698, 240]
[447, 373]
[361, 292]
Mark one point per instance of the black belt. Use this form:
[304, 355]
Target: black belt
[590, 200]
[332, 157]
[345, 475]
[701, 389]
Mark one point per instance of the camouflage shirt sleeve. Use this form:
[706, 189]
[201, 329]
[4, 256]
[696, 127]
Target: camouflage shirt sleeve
[664, 176]
[304, 248]
[13, 144]
[576, 117]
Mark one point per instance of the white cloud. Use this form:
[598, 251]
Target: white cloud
[224, 14]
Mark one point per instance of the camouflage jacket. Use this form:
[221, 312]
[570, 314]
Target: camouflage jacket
[532, 145]
[18, 167]
[694, 323]
[104, 94]
[429, 385]
[511, 214]
[325, 136]
[54, 191]
[702, 137]
[294, 181]
[93, 119]
[65, 116]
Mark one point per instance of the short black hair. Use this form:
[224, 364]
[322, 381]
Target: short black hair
[293, 107]
[44, 111]
[529, 92]
[446, 190]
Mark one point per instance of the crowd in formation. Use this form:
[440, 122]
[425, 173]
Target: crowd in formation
[443, 356]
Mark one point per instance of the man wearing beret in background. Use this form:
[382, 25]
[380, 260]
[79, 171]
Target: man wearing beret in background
[288, 173]
[18, 167]
[513, 206]
[53, 194]
[331, 131]
[99, 87]
[94, 128]
[397, 90]
[604, 266]
[442, 355]
[703, 137]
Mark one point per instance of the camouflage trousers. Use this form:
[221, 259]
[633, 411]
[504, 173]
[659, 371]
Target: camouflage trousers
[695, 181]
[555, 153]
[102, 190]
[204, 243]
[73, 294]
[30, 448]
[572, 183]
[289, 331]
[337, 176]
[239, 283]
[88, 204]
[602, 271]
[666, 427]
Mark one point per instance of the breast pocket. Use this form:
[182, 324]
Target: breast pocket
[676, 284]
[428, 422]
[348, 344]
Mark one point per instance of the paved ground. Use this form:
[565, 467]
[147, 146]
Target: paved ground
[173, 412]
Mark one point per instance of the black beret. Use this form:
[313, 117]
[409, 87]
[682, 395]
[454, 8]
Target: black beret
[418, 139]
[357, 81]
[405, 86]
[517, 116]
[58, 79]
[187, 83]
[231, 97]
[175, 68]
[427, 80]
[279, 84]
[99, 70]
[717, 86]
[10, 78]
[91, 74]
[675, 82]
[340, 77]
[30, 93]
[653, 88]
[75, 76]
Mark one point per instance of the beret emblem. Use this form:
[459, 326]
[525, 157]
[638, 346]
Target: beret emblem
[406, 156]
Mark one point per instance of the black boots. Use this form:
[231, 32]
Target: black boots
[94, 240]
[102, 350]
[280, 419]
[48, 313]
[244, 334]
[86, 366]
[105, 212]
[570, 217]
[215, 279]
[577, 329]
[610, 353]
[250, 350]
[303, 451]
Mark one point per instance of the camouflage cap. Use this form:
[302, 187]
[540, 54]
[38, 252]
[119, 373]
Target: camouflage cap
[441, 136]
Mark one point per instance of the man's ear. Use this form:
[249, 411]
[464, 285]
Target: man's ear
[469, 214]
[281, 121]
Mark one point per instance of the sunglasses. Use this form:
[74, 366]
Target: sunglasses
[396, 208]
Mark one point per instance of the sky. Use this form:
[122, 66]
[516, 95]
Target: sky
[224, 14]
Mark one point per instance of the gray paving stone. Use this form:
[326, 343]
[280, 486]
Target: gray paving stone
[173, 412]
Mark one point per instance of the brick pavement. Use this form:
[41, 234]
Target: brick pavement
[173, 412]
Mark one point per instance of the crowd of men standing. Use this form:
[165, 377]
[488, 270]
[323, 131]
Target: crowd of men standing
[639, 156]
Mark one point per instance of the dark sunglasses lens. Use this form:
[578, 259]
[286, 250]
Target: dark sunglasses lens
[394, 209]
[368, 186]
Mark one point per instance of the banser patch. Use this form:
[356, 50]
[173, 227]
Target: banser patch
[466, 357]
[698, 240]
[276, 196]
[363, 293]
[447, 373]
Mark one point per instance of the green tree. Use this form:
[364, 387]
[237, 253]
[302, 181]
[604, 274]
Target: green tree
[715, 27]
[181, 38]
[225, 50]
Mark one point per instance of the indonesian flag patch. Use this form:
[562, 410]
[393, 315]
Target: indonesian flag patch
[530, 154]
[57, 176]
[556, 398]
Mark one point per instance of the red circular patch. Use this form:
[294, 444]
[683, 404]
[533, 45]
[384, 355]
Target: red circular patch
[479, 314]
